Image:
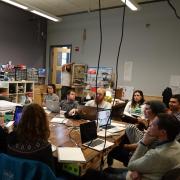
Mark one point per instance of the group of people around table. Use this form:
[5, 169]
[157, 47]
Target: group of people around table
[148, 151]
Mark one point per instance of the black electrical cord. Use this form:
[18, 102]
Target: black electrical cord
[100, 48]
[116, 82]
[173, 8]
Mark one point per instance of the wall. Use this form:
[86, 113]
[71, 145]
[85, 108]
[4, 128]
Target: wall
[21, 38]
[154, 49]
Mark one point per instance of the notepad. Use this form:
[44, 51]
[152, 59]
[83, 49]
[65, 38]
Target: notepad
[70, 154]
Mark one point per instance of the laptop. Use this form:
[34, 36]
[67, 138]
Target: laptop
[104, 119]
[89, 137]
[53, 106]
[87, 112]
[17, 115]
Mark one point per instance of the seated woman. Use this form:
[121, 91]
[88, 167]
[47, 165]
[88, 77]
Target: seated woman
[29, 139]
[133, 135]
[134, 108]
[51, 94]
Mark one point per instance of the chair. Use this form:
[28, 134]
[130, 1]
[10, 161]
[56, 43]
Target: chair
[13, 168]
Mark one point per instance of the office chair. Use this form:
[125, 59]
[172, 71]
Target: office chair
[13, 168]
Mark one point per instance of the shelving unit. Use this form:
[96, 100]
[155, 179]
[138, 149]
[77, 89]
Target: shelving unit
[18, 90]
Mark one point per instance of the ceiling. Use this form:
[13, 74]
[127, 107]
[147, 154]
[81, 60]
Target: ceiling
[67, 7]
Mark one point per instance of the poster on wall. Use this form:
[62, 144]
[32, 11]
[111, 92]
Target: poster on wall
[175, 83]
[104, 78]
[128, 65]
[78, 74]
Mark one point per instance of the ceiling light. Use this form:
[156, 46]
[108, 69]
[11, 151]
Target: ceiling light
[50, 17]
[15, 4]
[33, 10]
[131, 4]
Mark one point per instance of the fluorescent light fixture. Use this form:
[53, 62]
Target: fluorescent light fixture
[131, 4]
[50, 17]
[15, 4]
[33, 10]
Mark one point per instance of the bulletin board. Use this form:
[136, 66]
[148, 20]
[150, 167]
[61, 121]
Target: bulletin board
[104, 78]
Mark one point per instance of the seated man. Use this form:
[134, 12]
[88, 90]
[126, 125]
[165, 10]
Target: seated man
[174, 106]
[70, 102]
[153, 163]
[99, 101]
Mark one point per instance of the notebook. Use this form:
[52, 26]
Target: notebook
[89, 138]
[17, 115]
[53, 106]
[70, 154]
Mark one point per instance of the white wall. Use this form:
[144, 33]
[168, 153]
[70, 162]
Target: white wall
[154, 50]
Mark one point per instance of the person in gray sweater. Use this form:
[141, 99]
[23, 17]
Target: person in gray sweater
[152, 164]
[149, 163]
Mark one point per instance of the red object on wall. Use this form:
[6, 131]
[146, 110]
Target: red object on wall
[76, 48]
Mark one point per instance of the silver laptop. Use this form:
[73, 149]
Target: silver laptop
[104, 119]
[89, 137]
[53, 106]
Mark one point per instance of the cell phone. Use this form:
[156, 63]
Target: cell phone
[17, 115]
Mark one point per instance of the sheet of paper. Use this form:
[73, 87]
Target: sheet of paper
[59, 120]
[175, 80]
[128, 65]
[70, 154]
[101, 133]
[118, 124]
[116, 129]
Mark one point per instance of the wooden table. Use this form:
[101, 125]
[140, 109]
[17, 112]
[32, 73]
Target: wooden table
[60, 137]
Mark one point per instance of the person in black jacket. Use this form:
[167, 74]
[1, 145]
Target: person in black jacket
[167, 94]
[30, 139]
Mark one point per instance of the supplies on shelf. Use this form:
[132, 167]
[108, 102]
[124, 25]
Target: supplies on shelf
[32, 74]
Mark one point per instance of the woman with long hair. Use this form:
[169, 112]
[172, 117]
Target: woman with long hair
[51, 94]
[30, 138]
[136, 105]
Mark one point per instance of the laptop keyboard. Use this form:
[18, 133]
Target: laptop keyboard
[95, 142]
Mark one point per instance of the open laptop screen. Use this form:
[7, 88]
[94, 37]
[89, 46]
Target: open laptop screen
[17, 114]
[53, 106]
[104, 117]
[88, 131]
[88, 112]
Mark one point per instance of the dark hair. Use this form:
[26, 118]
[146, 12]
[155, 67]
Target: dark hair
[156, 107]
[170, 124]
[176, 96]
[53, 86]
[33, 124]
[69, 91]
[133, 104]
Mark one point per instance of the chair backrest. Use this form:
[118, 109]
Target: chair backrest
[12, 168]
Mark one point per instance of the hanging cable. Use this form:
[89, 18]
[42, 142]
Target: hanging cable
[116, 81]
[173, 8]
[99, 57]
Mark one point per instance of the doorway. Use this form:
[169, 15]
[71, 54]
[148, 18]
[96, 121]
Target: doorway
[59, 55]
